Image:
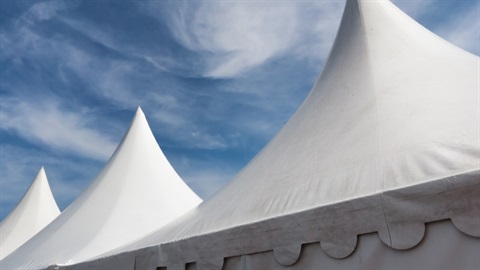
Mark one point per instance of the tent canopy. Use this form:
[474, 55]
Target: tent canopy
[35, 210]
[136, 192]
[386, 141]
[387, 138]
[395, 106]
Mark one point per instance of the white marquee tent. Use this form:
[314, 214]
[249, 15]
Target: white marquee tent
[137, 192]
[35, 210]
[379, 167]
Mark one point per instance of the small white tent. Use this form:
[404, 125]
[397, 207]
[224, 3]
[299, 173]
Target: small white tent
[387, 141]
[35, 210]
[137, 192]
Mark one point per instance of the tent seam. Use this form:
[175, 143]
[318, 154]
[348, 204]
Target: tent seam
[377, 125]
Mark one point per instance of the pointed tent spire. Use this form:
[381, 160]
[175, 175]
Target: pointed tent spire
[136, 192]
[395, 106]
[35, 210]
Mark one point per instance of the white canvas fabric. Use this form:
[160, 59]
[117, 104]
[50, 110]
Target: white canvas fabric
[444, 248]
[395, 106]
[36, 209]
[137, 191]
[387, 140]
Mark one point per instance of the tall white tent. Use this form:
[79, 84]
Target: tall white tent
[386, 144]
[35, 210]
[137, 192]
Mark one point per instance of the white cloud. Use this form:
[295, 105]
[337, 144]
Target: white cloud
[168, 118]
[112, 84]
[18, 42]
[46, 10]
[244, 34]
[107, 78]
[59, 129]
[240, 36]
[317, 31]
[114, 81]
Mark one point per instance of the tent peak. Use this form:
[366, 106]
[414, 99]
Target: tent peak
[40, 177]
[36, 209]
[139, 117]
[137, 181]
[139, 121]
[139, 111]
[41, 171]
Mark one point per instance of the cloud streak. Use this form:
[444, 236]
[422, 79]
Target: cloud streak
[46, 10]
[240, 36]
[49, 125]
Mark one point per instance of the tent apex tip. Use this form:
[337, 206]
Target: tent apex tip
[139, 110]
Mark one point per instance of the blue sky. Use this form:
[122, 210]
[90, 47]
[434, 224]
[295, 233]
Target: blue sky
[216, 80]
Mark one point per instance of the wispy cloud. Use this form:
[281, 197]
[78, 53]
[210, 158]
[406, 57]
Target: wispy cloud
[122, 76]
[58, 128]
[240, 36]
[124, 81]
[76, 58]
[46, 10]
[243, 35]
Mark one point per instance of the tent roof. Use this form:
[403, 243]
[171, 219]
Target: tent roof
[136, 192]
[395, 106]
[35, 210]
